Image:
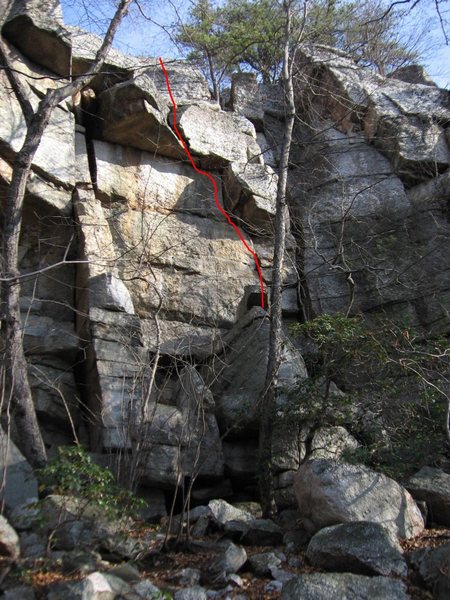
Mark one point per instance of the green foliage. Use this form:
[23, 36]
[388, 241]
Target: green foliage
[247, 35]
[389, 373]
[72, 472]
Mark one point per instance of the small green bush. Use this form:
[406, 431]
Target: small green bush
[73, 473]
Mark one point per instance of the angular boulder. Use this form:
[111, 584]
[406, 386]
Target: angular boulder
[329, 492]
[16, 474]
[430, 563]
[336, 586]
[216, 137]
[433, 487]
[9, 541]
[363, 548]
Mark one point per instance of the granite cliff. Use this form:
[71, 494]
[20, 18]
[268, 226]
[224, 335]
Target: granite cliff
[141, 308]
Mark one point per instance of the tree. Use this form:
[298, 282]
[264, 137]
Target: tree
[18, 391]
[203, 35]
[243, 35]
[268, 401]
[384, 368]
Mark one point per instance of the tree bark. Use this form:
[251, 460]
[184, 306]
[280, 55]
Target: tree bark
[266, 487]
[18, 390]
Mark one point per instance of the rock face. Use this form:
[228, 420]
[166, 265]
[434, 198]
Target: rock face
[432, 486]
[365, 548]
[150, 326]
[375, 140]
[330, 492]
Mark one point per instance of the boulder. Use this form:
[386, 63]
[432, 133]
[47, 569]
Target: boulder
[432, 486]
[336, 586]
[261, 564]
[229, 560]
[195, 592]
[216, 137]
[24, 592]
[430, 562]
[364, 548]
[96, 586]
[329, 492]
[19, 483]
[9, 541]
[118, 67]
[223, 512]
[258, 532]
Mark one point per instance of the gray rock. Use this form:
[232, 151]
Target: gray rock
[229, 560]
[251, 195]
[55, 157]
[24, 516]
[281, 575]
[81, 561]
[430, 562]
[96, 586]
[364, 548]
[237, 390]
[412, 74]
[223, 512]
[22, 592]
[109, 292]
[36, 28]
[188, 85]
[189, 577]
[261, 564]
[145, 589]
[432, 486]
[241, 456]
[191, 593]
[331, 442]
[32, 544]
[9, 540]
[117, 67]
[229, 138]
[262, 532]
[330, 492]
[246, 98]
[19, 483]
[202, 454]
[336, 586]
[126, 571]
[135, 114]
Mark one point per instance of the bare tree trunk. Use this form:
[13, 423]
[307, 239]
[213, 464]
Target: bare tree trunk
[266, 488]
[212, 74]
[18, 387]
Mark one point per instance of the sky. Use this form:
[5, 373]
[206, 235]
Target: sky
[147, 31]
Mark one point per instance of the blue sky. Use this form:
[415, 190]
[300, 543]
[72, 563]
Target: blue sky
[141, 36]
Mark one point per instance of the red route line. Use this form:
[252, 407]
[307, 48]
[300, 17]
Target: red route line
[213, 181]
